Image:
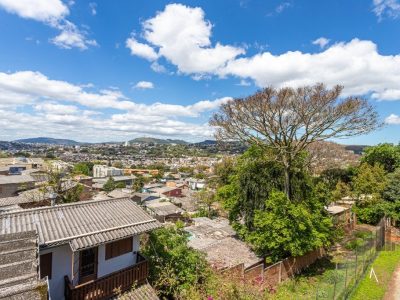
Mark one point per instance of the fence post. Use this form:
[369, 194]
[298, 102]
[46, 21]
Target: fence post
[355, 273]
[363, 265]
[280, 272]
[345, 277]
[335, 281]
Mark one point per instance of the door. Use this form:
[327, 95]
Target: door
[88, 265]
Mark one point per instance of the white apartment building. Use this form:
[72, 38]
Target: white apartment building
[100, 171]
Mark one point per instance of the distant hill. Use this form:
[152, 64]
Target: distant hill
[148, 140]
[46, 140]
[357, 149]
[207, 142]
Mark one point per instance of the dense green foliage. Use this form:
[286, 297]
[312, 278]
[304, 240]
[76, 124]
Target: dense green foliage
[175, 267]
[109, 185]
[387, 155]
[283, 228]
[264, 217]
[138, 183]
[85, 168]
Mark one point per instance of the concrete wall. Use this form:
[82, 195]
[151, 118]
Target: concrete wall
[111, 265]
[12, 189]
[61, 266]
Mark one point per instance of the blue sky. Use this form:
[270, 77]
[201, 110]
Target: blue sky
[115, 70]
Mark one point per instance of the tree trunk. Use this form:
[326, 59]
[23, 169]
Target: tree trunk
[288, 183]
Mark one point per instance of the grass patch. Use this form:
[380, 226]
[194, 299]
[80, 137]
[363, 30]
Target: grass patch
[384, 266]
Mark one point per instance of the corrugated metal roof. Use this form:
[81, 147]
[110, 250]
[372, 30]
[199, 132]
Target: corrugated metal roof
[83, 224]
[9, 179]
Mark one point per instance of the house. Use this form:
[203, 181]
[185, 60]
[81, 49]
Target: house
[86, 248]
[196, 184]
[147, 188]
[164, 211]
[142, 197]
[12, 184]
[216, 239]
[19, 277]
[342, 216]
[167, 191]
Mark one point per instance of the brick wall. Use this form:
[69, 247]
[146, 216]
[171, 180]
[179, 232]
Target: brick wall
[271, 276]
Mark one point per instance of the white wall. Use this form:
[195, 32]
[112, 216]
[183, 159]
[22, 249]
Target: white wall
[108, 266]
[61, 266]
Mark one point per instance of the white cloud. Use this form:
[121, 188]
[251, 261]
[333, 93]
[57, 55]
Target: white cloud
[321, 42]
[243, 82]
[62, 109]
[156, 67]
[281, 7]
[39, 10]
[71, 37]
[386, 8]
[93, 8]
[182, 36]
[56, 108]
[144, 85]
[53, 13]
[357, 65]
[393, 119]
[140, 49]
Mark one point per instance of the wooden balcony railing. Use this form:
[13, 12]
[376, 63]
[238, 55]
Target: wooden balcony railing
[109, 285]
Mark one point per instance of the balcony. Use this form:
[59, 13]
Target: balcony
[110, 285]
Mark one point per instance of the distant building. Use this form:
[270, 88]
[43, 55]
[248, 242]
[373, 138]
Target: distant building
[100, 171]
[196, 184]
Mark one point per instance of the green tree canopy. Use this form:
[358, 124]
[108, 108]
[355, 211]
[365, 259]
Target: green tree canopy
[174, 266]
[369, 183]
[284, 228]
[85, 168]
[387, 155]
[392, 190]
[109, 185]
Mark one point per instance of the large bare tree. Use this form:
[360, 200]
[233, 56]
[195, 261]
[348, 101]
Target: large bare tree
[287, 120]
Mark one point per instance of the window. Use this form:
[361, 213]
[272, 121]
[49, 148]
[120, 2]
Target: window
[45, 265]
[118, 248]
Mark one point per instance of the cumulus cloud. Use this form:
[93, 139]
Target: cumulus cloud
[53, 13]
[70, 37]
[321, 42]
[393, 119]
[39, 10]
[182, 36]
[65, 109]
[144, 85]
[386, 8]
[140, 49]
[56, 108]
